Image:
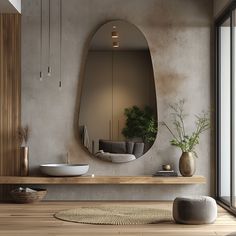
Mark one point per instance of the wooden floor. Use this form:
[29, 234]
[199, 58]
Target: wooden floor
[37, 219]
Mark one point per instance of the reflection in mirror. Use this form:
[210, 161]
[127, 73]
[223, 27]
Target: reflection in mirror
[118, 114]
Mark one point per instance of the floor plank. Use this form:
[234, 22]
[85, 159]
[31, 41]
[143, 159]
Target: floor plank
[37, 220]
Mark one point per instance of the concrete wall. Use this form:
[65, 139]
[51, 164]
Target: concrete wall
[219, 5]
[179, 36]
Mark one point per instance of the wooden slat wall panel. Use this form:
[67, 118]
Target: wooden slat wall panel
[10, 100]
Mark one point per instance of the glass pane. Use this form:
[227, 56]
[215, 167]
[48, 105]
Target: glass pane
[234, 110]
[225, 101]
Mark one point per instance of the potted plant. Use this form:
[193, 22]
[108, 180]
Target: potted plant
[23, 135]
[140, 123]
[187, 142]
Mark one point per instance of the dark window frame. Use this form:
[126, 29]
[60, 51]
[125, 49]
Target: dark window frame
[226, 14]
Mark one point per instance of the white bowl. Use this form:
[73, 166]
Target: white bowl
[64, 169]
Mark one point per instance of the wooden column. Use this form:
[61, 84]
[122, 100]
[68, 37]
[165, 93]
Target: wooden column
[10, 93]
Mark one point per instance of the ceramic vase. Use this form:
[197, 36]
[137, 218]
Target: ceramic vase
[24, 161]
[187, 164]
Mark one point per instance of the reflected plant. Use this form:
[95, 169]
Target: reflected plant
[186, 142]
[140, 124]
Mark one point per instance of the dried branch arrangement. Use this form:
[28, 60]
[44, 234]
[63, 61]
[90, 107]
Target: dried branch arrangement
[23, 135]
[186, 141]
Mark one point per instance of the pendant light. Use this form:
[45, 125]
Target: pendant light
[60, 20]
[49, 69]
[115, 36]
[114, 33]
[115, 44]
[49, 38]
[41, 40]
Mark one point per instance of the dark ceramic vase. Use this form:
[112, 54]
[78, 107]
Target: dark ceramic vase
[187, 164]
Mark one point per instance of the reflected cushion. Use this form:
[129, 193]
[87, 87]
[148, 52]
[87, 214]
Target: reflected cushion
[122, 147]
[115, 157]
[112, 146]
[129, 147]
[138, 149]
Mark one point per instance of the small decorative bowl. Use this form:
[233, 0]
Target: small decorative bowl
[28, 197]
[166, 167]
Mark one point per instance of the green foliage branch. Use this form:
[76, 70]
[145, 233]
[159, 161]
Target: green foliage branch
[186, 142]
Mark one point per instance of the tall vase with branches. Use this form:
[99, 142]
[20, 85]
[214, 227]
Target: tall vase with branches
[185, 141]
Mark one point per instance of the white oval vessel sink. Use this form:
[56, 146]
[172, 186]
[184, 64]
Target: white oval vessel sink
[64, 169]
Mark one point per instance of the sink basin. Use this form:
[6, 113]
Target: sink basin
[64, 169]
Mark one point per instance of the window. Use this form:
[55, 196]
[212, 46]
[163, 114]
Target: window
[226, 107]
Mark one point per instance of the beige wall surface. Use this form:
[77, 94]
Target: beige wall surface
[219, 5]
[179, 37]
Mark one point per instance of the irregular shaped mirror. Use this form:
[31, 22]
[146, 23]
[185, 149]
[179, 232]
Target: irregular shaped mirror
[118, 112]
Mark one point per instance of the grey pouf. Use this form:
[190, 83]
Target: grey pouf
[194, 210]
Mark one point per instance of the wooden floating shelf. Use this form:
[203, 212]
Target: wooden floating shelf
[96, 180]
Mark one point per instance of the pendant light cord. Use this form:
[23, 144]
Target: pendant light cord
[41, 38]
[60, 82]
[49, 37]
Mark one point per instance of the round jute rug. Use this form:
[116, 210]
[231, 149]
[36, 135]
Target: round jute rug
[115, 215]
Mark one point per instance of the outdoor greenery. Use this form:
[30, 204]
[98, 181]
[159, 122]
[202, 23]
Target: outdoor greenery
[140, 123]
[186, 142]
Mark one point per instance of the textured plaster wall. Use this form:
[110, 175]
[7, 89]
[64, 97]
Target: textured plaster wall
[179, 36]
[219, 5]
